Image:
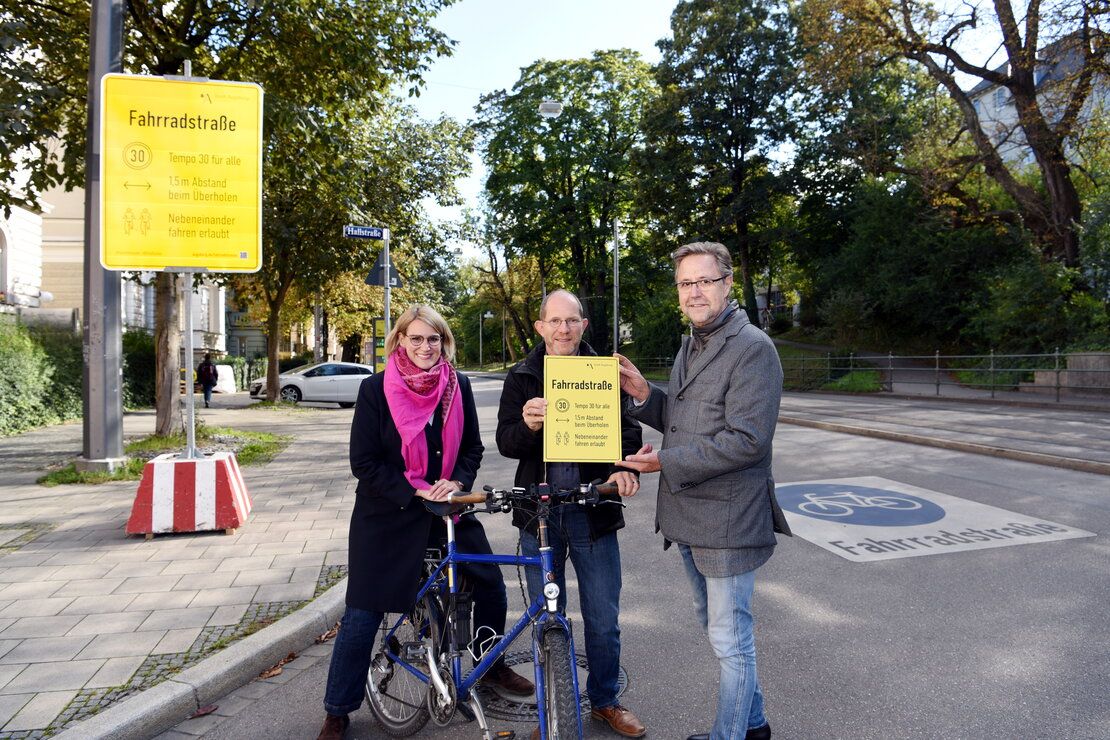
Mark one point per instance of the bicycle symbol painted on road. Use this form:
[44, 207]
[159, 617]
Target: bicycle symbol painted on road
[850, 504]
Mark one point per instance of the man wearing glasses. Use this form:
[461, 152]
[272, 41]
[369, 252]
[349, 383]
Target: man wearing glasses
[716, 494]
[587, 535]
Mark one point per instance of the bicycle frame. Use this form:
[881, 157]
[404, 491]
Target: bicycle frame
[542, 613]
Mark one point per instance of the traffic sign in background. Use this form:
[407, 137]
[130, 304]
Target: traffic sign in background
[181, 174]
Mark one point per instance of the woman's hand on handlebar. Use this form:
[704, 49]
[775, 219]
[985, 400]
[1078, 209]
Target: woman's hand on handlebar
[627, 483]
[439, 491]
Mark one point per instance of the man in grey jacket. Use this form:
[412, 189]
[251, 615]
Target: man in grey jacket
[716, 493]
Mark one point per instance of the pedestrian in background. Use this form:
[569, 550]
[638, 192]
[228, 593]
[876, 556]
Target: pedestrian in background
[414, 437]
[207, 376]
[716, 493]
[587, 535]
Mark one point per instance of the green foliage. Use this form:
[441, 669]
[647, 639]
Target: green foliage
[41, 375]
[138, 370]
[848, 313]
[556, 186]
[25, 375]
[1036, 307]
[62, 400]
[726, 79]
[856, 381]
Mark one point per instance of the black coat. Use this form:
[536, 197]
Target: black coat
[517, 441]
[390, 528]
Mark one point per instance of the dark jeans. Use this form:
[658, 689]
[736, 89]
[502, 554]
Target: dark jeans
[354, 645]
[598, 567]
[208, 393]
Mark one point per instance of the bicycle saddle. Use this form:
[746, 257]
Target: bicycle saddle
[445, 508]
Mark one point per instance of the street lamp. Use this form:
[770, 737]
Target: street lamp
[549, 109]
[481, 327]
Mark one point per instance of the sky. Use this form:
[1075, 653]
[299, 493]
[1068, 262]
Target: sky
[496, 38]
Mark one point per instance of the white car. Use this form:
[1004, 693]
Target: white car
[330, 382]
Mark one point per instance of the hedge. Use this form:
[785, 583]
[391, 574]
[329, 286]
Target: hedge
[40, 375]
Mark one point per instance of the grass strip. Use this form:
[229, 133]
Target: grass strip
[250, 448]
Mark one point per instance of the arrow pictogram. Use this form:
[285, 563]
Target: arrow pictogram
[145, 185]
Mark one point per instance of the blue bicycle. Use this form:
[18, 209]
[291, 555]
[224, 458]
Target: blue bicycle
[417, 672]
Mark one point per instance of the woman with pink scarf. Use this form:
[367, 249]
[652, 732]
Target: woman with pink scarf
[414, 436]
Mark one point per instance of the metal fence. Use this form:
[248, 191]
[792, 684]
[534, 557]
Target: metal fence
[1055, 375]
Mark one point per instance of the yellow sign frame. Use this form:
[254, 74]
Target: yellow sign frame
[583, 419]
[180, 174]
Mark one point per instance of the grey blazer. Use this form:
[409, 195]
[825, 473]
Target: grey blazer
[718, 420]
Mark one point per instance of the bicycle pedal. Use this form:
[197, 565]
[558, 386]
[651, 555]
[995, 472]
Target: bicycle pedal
[413, 651]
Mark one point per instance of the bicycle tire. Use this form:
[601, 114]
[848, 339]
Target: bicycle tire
[397, 698]
[560, 700]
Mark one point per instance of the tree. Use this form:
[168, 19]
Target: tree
[1052, 53]
[555, 187]
[315, 181]
[309, 55]
[727, 77]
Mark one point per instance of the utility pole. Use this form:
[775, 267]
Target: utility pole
[102, 381]
[616, 284]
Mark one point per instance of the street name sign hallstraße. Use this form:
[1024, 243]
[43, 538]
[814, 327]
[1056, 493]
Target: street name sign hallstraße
[180, 174]
[375, 276]
[363, 232]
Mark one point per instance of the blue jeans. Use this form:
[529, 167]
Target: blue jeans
[724, 610]
[350, 660]
[208, 393]
[598, 567]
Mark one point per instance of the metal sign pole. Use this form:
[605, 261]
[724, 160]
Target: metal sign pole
[101, 396]
[190, 387]
[386, 280]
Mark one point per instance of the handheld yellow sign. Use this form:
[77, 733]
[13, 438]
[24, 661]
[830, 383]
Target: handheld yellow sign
[180, 174]
[583, 421]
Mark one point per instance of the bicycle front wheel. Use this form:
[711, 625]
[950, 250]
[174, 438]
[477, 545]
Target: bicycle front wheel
[560, 701]
[396, 697]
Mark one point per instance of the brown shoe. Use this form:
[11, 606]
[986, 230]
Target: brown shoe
[335, 727]
[622, 720]
[505, 678]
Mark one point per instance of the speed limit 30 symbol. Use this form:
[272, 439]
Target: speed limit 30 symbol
[136, 155]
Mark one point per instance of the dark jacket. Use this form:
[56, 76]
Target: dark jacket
[390, 527]
[517, 441]
[207, 375]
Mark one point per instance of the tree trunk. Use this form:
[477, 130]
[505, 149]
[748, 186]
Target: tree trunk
[273, 333]
[746, 273]
[167, 355]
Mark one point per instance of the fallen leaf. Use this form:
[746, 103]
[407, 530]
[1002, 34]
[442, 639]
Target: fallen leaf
[204, 710]
[328, 635]
[271, 672]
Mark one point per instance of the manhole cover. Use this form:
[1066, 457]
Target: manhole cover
[502, 706]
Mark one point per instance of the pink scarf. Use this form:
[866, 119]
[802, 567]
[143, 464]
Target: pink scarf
[413, 395]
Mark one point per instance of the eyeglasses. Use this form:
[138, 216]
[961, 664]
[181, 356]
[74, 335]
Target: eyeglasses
[416, 340]
[556, 323]
[704, 283]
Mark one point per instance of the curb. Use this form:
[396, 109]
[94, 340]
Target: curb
[163, 706]
[1039, 458]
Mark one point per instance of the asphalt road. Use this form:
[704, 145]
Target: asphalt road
[998, 643]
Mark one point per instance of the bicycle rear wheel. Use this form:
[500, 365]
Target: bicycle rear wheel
[560, 701]
[396, 697]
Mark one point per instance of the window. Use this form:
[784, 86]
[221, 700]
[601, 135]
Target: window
[351, 370]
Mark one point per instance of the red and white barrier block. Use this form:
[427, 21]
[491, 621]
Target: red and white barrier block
[197, 495]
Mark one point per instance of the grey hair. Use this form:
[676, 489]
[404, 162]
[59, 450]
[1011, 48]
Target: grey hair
[573, 297]
[714, 249]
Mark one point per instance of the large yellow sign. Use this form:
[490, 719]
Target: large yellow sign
[180, 174]
[583, 420]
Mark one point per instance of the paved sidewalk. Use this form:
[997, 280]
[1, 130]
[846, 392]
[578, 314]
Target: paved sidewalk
[89, 616]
